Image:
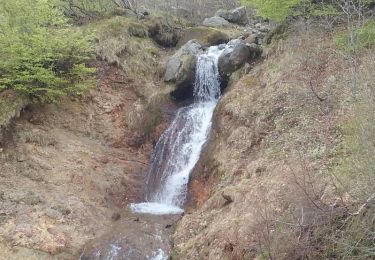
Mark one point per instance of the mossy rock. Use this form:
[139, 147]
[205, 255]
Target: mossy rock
[205, 36]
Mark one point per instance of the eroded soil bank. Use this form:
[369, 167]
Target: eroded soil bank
[67, 171]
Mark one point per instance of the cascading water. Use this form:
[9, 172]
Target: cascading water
[179, 148]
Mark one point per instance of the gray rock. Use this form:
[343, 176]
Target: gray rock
[216, 21]
[238, 15]
[262, 28]
[253, 38]
[180, 68]
[233, 57]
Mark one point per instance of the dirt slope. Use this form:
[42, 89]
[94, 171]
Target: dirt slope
[66, 169]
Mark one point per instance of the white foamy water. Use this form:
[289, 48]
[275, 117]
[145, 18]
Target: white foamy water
[179, 148]
[159, 255]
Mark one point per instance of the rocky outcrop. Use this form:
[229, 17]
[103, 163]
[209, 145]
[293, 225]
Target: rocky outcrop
[180, 68]
[238, 15]
[234, 57]
[205, 36]
[216, 21]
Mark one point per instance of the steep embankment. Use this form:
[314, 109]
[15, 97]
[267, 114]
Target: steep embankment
[261, 188]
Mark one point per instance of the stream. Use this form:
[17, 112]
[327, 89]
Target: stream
[146, 231]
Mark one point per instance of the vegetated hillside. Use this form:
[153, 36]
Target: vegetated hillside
[288, 172]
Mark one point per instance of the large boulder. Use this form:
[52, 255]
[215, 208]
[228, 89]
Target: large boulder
[204, 35]
[233, 57]
[238, 15]
[216, 21]
[180, 68]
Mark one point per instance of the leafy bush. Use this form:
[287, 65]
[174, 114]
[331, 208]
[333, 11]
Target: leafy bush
[274, 9]
[364, 37]
[41, 55]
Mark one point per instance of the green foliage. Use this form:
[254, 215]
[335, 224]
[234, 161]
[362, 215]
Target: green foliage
[326, 10]
[313, 9]
[274, 9]
[279, 10]
[41, 55]
[363, 37]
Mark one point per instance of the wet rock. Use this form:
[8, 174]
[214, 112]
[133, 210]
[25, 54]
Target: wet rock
[180, 68]
[204, 35]
[182, 64]
[233, 57]
[238, 15]
[216, 21]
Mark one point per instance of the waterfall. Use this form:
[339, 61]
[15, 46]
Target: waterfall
[178, 149]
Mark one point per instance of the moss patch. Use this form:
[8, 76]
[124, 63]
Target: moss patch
[205, 36]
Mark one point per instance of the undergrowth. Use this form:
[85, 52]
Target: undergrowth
[363, 37]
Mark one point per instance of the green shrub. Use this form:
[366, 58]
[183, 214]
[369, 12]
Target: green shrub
[274, 9]
[41, 55]
[364, 37]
